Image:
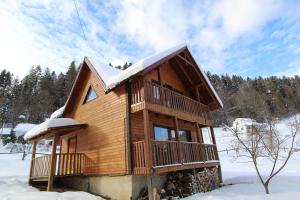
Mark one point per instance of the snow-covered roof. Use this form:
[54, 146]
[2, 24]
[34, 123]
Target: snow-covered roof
[112, 77]
[50, 124]
[245, 121]
[58, 113]
[24, 127]
[5, 131]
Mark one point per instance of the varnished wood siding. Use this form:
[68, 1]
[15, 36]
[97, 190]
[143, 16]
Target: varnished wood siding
[137, 127]
[104, 140]
[168, 76]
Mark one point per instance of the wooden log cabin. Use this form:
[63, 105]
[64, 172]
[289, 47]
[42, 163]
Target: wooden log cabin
[120, 131]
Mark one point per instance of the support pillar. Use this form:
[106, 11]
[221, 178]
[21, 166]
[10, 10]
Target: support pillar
[52, 163]
[32, 160]
[216, 152]
[148, 153]
[148, 142]
[150, 187]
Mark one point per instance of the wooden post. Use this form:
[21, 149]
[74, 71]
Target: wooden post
[52, 163]
[197, 132]
[216, 152]
[32, 160]
[148, 153]
[177, 139]
[212, 135]
[148, 142]
[162, 90]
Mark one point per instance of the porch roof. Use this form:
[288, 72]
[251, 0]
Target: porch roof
[53, 125]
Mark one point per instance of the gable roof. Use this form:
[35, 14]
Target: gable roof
[110, 77]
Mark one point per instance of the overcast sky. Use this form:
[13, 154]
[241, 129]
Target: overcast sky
[245, 37]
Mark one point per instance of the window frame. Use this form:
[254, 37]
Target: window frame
[187, 131]
[170, 129]
[91, 88]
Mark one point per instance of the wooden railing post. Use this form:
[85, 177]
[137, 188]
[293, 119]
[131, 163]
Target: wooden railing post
[32, 160]
[52, 163]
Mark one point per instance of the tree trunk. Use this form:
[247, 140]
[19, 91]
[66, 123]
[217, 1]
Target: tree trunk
[266, 186]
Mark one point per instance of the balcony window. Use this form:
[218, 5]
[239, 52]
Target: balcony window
[206, 134]
[163, 133]
[185, 135]
[155, 90]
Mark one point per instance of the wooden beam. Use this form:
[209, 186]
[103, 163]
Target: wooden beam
[32, 160]
[185, 60]
[148, 142]
[183, 70]
[200, 75]
[199, 134]
[196, 86]
[52, 163]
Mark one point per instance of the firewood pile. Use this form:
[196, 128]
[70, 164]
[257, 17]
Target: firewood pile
[184, 184]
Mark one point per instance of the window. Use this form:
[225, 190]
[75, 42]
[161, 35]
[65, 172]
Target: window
[91, 95]
[155, 90]
[185, 135]
[164, 133]
[206, 134]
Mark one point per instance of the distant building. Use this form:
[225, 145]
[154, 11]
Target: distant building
[245, 125]
[22, 128]
[5, 131]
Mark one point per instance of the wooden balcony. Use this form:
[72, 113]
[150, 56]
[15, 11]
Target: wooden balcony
[173, 155]
[67, 164]
[154, 97]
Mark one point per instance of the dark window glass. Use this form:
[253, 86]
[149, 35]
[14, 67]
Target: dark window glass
[91, 95]
[185, 135]
[163, 133]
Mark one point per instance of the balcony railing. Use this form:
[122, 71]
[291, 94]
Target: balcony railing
[156, 94]
[66, 164]
[172, 153]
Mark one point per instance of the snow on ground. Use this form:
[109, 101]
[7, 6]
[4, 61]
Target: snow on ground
[14, 182]
[239, 177]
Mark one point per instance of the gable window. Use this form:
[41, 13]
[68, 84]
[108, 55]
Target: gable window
[184, 135]
[91, 95]
[162, 133]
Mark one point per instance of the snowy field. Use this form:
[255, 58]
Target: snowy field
[239, 174]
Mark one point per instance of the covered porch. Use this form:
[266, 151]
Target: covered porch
[168, 143]
[49, 166]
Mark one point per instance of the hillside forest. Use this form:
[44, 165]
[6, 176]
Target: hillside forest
[42, 91]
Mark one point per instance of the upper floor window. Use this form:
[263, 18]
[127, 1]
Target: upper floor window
[155, 90]
[164, 133]
[184, 135]
[91, 95]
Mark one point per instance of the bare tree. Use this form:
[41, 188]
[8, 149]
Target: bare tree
[265, 141]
